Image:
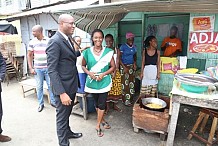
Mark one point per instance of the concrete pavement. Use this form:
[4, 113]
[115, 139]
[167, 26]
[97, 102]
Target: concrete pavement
[27, 127]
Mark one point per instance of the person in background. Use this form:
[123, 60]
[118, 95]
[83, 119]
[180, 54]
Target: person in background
[77, 46]
[62, 70]
[150, 69]
[171, 45]
[3, 138]
[98, 64]
[127, 68]
[115, 93]
[36, 53]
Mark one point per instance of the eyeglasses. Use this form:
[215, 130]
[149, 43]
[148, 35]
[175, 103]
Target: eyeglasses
[71, 23]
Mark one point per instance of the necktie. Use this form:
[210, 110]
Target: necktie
[69, 42]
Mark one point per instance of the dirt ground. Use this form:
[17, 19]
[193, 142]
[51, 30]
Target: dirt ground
[27, 127]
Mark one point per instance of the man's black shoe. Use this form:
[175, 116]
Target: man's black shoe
[40, 108]
[54, 105]
[74, 135]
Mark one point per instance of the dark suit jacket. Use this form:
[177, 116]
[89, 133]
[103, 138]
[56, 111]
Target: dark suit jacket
[2, 69]
[61, 58]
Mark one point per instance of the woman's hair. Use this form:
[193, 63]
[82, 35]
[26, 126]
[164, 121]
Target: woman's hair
[147, 41]
[76, 37]
[109, 36]
[94, 31]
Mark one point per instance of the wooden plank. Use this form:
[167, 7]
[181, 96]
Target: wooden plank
[213, 104]
[172, 124]
[199, 120]
[212, 131]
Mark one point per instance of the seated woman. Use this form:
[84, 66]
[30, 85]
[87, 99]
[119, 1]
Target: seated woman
[150, 69]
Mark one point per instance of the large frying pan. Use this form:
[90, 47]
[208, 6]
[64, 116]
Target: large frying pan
[149, 100]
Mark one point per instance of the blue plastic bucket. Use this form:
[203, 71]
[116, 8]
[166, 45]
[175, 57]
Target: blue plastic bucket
[82, 80]
[90, 103]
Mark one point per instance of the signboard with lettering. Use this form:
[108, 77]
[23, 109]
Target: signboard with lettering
[202, 23]
[203, 42]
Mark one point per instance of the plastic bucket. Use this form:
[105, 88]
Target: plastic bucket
[90, 103]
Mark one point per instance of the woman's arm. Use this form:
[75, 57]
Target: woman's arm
[91, 74]
[143, 63]
[109, 71]
[158, 64]
[134, 64]
[118, 59]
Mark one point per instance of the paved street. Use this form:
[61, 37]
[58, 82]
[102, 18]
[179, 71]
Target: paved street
[27, 127]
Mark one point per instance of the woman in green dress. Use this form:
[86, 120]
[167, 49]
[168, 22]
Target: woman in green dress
[98, 64]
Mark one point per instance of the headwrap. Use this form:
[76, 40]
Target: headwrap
[129, 35]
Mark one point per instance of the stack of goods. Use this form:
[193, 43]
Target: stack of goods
[3, 50]
[10, 46]
[169, 65]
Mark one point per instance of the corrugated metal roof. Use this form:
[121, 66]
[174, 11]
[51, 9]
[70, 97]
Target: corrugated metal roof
[184, 6]
[187, 6]
[53, 9]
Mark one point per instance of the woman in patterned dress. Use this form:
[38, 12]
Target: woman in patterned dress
[115, 93]
[127, 69]
[98, 64]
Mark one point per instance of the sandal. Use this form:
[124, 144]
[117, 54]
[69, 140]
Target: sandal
[127, 103]
[99, 132]
[106, 125]
[117, 108]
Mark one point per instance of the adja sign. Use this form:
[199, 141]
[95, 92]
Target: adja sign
[203, 42]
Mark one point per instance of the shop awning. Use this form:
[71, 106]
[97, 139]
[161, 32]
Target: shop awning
[89, 17]
[102, 16]
[88, 21]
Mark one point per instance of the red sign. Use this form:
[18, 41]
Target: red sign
[203, 42]
[202, 23]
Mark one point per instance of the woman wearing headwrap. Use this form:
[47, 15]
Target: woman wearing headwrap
[127, 68]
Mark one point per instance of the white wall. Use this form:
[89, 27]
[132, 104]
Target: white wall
[10, 9]
[48, 23]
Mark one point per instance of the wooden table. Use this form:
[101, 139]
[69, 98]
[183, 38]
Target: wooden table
[176, 101]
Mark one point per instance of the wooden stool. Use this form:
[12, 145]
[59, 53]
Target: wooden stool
[84, 112]
[202, 119]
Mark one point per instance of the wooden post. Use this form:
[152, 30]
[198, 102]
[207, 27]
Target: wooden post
[173, 123]
[212, 131]
[199, 120]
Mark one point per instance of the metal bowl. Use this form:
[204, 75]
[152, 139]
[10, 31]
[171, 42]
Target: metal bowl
[195, 79]
[149, 100]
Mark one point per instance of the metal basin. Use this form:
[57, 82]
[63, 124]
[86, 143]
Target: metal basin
[197, 83]
[152, 100]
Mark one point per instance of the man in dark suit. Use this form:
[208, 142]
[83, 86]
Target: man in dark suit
[3, 138]
[61, 59]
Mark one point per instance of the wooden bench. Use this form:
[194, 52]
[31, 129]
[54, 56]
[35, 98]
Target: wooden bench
[31, 84]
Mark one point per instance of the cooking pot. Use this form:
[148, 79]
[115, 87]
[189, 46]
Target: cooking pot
[152, 100]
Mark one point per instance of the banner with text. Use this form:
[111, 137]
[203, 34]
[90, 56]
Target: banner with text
[203, 42]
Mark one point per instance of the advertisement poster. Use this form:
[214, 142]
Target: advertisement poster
[203, 42]
[202, 23]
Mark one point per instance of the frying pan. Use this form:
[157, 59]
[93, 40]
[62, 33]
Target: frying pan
[149, 100]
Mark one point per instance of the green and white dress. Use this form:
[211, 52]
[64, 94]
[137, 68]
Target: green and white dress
[98, 64]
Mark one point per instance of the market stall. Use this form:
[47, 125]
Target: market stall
[198, 94]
